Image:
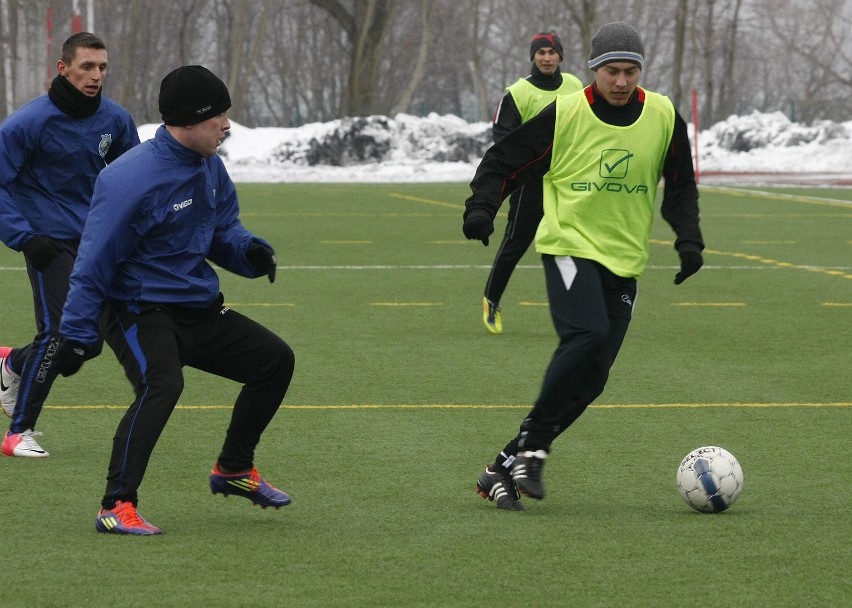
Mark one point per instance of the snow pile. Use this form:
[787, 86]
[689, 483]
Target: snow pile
[770, 142]
[350, 142]
[446, 148]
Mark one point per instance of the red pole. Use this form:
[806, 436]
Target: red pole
[49, 25]
[695, 132]
[76, 18]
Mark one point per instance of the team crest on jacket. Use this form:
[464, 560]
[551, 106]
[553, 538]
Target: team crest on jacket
[106, 142]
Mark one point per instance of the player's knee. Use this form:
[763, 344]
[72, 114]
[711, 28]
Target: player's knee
[167, 387]
[280, 361]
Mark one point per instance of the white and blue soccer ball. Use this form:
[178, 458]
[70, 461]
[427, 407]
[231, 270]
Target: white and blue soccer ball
[710, 479]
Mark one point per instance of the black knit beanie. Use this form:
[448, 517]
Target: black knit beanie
[544, 40]
[192, 94]
[616, 41]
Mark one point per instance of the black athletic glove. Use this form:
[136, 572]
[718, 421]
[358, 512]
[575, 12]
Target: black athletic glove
[70, 356]
[40, 251]
[690, 262]
[263, 258]
[478, 225]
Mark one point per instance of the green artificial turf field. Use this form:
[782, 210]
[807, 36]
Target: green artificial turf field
[401, 397]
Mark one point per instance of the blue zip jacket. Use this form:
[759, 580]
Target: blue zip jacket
[158, 214]
[48, 165]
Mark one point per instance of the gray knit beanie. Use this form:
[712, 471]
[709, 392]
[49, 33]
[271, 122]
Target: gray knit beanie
[616, 41]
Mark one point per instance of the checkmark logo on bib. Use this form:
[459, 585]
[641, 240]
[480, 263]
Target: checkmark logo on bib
[614, 163]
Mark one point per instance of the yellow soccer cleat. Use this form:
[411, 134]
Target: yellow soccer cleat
[491, 316]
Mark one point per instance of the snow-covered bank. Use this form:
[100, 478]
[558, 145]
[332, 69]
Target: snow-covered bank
[446, 149]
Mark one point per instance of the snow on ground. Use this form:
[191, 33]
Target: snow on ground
[759, 147]
[773, 149]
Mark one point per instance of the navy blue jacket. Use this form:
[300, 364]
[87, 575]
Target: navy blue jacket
[48, 165]
[159, 213]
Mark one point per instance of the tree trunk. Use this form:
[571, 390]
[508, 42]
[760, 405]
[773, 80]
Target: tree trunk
[129, 79]
[583, 14]
[418, 70]
[726, 99]
[366, 27]
[680, 39]
[8, 76]
[709, 59]
[242, 68]
[378, 18]
[476, 69]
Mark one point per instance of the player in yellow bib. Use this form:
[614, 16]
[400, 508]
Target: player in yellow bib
[601, 153]
[523, 100]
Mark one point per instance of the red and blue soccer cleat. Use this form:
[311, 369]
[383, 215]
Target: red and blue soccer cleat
[123, 519]
[248, 485]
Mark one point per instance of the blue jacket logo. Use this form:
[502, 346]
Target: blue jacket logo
[106, 142]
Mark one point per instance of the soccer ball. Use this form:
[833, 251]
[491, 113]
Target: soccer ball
[710, 479]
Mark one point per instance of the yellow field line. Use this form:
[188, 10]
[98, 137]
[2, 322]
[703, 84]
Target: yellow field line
[453, 406]
[766, 261]
[710, 304]
[777, 196]
[428, 201]
[338, 214]
[346, 242]
[407, 304]
[769, 242]
[260, 304]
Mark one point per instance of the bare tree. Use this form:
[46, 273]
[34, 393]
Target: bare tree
[679, 47]
[583, 15]
[366, 25]
[287, 62]
[417, 72]
[708, 49]
[820, 65]
[243, 26]
[185, 26]
[475, 63]
[727, 101]
[8, 34]
[135, 34]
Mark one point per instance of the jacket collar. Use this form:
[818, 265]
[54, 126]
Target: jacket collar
[167, 141]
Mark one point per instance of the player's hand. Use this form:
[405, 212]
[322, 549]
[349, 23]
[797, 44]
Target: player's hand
[40, 251]
[690, 262]
[264, 259]
[478, 225]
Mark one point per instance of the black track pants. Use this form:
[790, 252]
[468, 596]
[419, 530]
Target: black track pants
[153, 344]
[525, 213]
[32, 362]
[591, 310]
